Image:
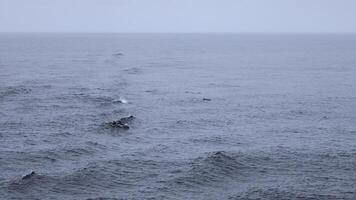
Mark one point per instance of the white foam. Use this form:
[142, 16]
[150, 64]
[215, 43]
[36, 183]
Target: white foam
[122, 100]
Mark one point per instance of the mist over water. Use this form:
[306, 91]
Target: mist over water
[217, 116]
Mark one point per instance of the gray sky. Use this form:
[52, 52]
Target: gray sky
[177, 15]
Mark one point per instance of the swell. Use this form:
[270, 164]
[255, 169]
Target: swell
[216, 167]
[215, 172]
[314, 174]
[96, 178]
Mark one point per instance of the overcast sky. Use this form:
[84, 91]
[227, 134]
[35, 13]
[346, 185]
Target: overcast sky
[177, 15]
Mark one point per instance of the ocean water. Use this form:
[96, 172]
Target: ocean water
[217, 116]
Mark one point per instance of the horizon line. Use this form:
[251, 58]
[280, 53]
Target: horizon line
[168, 32]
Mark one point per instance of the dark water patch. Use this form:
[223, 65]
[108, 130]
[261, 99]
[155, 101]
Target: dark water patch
[13, 91]
[134, 70]
[154, 91]
[325, 118]
[184, 122]
[334, 156]
[298, 113]
[47, 86]
[11, 125]
[192, 92]
[288, 130]
[118, 55]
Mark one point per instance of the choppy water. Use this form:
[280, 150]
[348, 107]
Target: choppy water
[280, 123]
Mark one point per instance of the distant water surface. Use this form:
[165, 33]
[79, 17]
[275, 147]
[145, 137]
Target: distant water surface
[218, 116]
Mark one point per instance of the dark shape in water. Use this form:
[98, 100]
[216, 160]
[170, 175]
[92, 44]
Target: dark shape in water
[127, 119]
[206, 99]
[28, 176]
[219, 153]
[121, 123]
[118, 54]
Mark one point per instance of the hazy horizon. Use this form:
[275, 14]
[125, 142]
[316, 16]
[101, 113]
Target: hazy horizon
[181, 32]
[173, 16]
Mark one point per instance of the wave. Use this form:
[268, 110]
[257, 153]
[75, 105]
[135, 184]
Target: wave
[213, 168]
[211, 172]
[96, 177]
[31, 183]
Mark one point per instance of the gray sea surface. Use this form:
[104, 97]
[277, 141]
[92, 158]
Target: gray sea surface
[217, 116]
